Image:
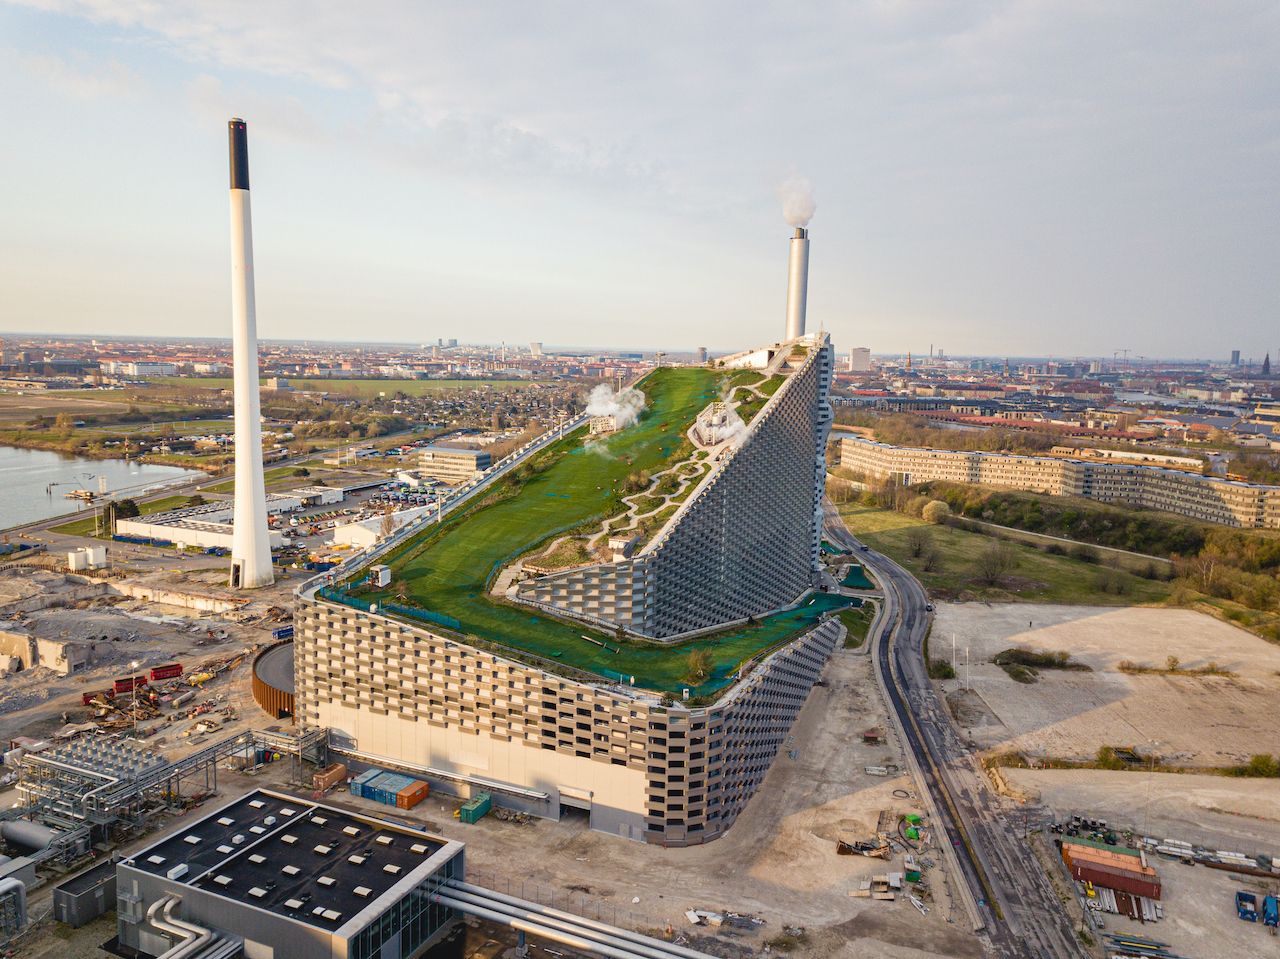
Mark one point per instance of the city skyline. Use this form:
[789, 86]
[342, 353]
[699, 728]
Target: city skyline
[1000, 180]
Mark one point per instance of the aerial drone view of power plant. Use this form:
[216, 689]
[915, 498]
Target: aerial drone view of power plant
[445, 597]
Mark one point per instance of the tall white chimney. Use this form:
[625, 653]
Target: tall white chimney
[797, 283]
[250, 541]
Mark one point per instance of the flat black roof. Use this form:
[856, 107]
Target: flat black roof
[314, 863]
[90, 879]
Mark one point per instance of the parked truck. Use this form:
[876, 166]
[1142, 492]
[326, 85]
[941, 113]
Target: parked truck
[1247, 906]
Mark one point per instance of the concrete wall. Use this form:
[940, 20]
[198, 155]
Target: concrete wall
[171, 597]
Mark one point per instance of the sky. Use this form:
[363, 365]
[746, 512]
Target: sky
[1043, 178]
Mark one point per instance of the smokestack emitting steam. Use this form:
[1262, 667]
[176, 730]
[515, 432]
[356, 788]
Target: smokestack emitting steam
[798, 207]
[250, 542]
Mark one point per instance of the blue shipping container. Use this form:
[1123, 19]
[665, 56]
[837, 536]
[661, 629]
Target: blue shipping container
[358, 784]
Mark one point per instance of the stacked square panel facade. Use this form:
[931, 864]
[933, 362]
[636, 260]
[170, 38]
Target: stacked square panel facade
[746, 541]
[662, 774]
[1211, 499]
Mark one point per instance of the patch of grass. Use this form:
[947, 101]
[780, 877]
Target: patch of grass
[1019, 673]
[272, 475]
[941, 669]
[1171, 668]
[447, 570]
[85, 525]
[857, 620]
[957, 566]
[1021, 656]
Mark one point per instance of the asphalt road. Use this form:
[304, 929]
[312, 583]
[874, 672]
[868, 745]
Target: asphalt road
[1013, 900]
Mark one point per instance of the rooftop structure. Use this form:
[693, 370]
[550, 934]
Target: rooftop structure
[293, 876]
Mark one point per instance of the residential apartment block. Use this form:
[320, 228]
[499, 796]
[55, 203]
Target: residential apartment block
[1211, 499]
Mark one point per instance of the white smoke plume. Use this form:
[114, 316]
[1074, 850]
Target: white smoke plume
[798, 204]
[624, 407]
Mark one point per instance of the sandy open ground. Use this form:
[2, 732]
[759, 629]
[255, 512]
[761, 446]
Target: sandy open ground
[1193, 720]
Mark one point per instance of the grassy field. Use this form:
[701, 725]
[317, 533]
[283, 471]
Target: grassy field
[274, 474]
[85, 525]
[1037, 577]
[447, 570]
[857, 620]
[364, 388]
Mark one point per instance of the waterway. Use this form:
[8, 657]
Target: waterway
[34, 483]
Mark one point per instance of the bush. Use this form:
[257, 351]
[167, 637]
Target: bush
[941, 669]
[935, 511]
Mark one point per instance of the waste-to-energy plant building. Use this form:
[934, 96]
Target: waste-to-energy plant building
[565, 688]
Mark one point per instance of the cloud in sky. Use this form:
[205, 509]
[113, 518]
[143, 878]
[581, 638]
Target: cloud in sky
[995, 177]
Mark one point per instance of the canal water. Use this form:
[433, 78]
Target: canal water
[34, 483]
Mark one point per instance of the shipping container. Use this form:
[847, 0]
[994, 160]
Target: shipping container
[282, 632]
[1132, 883]
[170, 671]
[411, 795]
[475, 808]
[1271, 912]
[128, 684]
[358, 783]
[329, 777]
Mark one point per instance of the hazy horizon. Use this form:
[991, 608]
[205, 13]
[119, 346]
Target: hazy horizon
[1047, 179]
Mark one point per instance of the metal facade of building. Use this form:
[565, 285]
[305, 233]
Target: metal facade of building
[746, 541]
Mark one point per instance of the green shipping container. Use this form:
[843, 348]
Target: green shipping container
[475, 808]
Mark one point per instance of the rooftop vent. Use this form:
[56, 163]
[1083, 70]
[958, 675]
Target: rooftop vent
[319, 820]
[237, 839]
[223, 881]
[257, 830]
[419, 848]
[289, 837]
[332, 915]
[257, 859]
[391, 868]
[155, 860]
[293, 903]
[322, 850]
[256, 803]
[225, 821]
[287, 811]
[351, 830]
[357, 860]
[326, 881]
[290, 870]
[224, 849]
[386, 840]
[269, 821]
[194, 840]
[362, 891]
[257, 892]
[177, 872]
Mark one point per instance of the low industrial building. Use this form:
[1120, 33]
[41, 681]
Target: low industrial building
[1210, 499]
[83, 898]
[453, 464]
[209, 525]
[19, 650]
[288, 878]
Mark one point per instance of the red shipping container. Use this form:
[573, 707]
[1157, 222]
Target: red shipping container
[1131, 883]
[410, 796]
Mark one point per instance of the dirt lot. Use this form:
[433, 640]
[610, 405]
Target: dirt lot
[1195, 720]
[18, 408]
[1242, 815]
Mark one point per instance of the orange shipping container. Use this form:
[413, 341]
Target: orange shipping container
[410, 796]
[329, 777]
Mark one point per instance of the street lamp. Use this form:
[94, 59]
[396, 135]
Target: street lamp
[1151, 775]
[133, 667]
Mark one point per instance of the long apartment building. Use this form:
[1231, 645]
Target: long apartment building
[746, 541]
[1211, 499]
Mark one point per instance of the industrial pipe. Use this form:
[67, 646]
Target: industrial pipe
[11, 884]
[669, 948]
[532, 912]
[535, 928]
[193, 937]
[797, 283]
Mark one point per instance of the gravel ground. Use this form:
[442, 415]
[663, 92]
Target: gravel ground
[1195, 720]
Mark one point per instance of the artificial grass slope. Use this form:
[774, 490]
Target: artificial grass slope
[446, 570]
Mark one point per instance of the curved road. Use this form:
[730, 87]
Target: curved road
[1009, 894]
